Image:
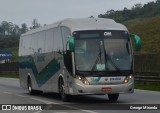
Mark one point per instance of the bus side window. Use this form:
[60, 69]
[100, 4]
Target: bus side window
[33, 46]
[65, 33]
[58, 45]
[49, 41]
[40, 42]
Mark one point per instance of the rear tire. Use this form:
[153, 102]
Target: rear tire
[30, 90]
[64, 96]
[113, 97]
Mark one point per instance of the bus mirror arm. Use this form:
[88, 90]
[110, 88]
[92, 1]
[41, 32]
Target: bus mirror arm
[71, 44]
[137, 41]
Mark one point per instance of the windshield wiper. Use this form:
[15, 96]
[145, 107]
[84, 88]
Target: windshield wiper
[97, 59]
[107, 57]
[112, 62]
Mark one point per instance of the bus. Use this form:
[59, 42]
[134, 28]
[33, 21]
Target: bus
[83, 56]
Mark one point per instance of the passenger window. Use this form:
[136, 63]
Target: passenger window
[49, 41]
[58, 45]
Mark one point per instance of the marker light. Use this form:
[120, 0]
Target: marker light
[130, 76]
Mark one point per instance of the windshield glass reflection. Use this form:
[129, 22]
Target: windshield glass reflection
[95, 52]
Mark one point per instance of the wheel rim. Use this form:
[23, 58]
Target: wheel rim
[29, 87]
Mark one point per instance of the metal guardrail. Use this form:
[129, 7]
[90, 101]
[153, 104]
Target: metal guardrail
[147, 77]
[9, 67]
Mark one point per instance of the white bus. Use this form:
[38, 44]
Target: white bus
[78, 57]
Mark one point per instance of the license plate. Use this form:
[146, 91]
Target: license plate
[106, 89]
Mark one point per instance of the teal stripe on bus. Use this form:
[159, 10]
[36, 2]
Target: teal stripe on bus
[44, 75]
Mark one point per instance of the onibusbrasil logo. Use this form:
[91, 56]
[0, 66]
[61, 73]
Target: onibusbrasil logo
[21, 107]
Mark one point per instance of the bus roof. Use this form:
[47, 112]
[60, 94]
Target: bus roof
[82, 24]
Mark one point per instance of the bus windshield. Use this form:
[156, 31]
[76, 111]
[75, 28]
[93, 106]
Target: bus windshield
[102, 51]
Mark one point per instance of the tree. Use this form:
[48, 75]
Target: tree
[91, 17]
[35, 24]
[16, 30]
[24, 28]
[1, 30]
[137, 6]
[110, 12]
[5, 27]
[10, 28]
[158, 1]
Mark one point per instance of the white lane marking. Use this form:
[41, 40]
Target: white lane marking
[44, 101]
[49, 102]
[7, 92]
[88, 111]
[38, 112]
[76, 108]
[21, 96]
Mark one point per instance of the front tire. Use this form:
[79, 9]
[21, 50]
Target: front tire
[64, 96]
[113, 97]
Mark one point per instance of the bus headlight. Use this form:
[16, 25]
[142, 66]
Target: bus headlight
[82, 79]
[79, 78]
[126, 80]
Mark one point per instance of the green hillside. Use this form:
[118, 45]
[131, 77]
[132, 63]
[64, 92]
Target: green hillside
[149, 30]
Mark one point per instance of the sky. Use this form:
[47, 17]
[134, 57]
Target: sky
[50, 11]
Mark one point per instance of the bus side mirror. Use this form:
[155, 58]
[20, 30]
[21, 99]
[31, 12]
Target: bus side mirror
[71, 44]
[137, 41]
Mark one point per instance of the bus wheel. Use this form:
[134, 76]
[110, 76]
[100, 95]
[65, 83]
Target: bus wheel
[62, 91]
[113, 97]
[30, 90]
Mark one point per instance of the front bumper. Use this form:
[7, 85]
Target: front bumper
[78, 88]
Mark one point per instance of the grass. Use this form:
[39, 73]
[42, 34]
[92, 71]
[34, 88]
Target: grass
[10, 76]
[152, 86]
[149, 31]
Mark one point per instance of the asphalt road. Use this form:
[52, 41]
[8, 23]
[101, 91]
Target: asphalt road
[12, 93]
